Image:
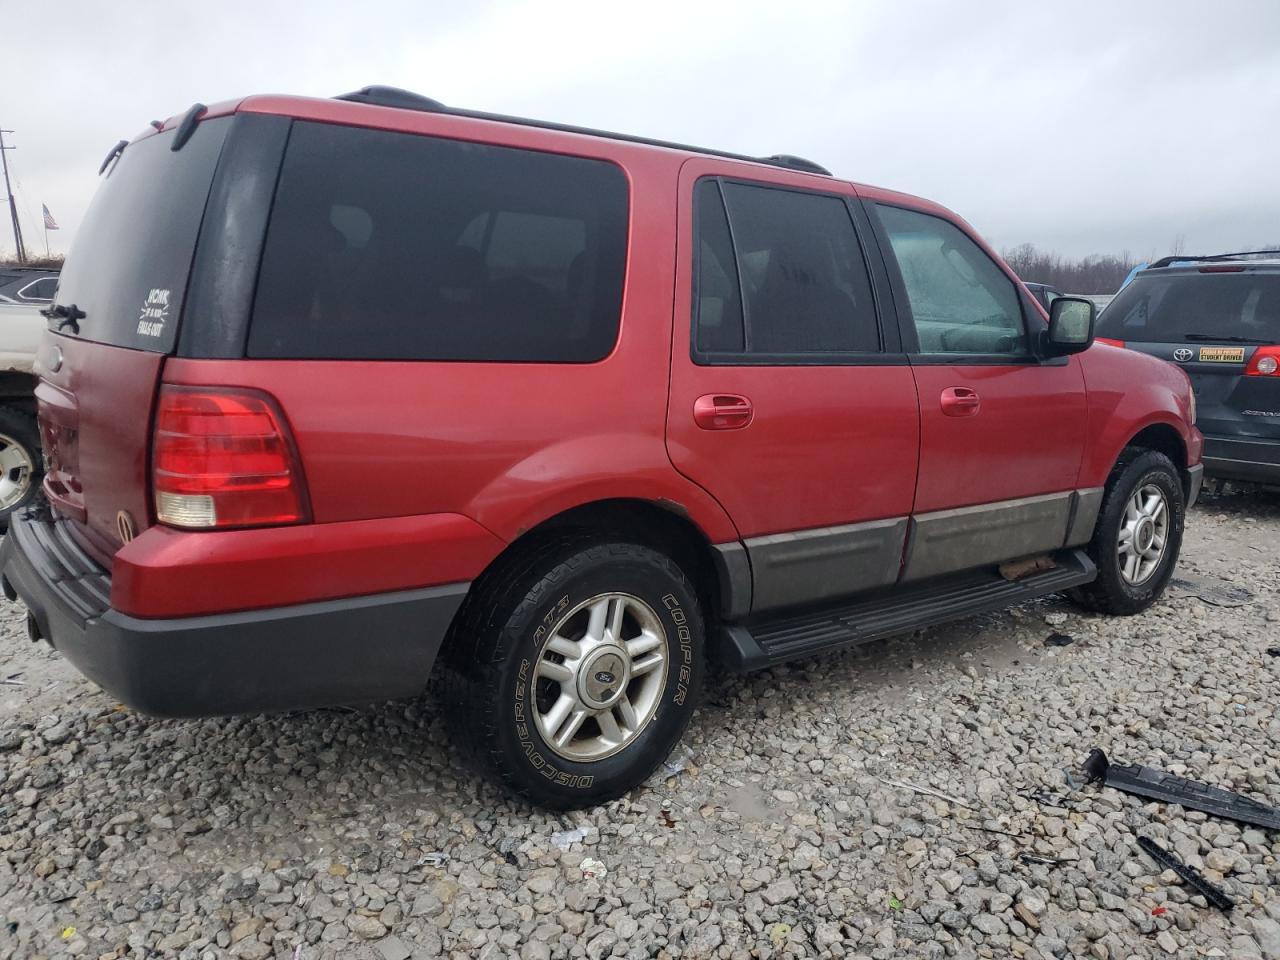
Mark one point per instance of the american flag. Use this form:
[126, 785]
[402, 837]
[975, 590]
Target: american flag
[49, 222]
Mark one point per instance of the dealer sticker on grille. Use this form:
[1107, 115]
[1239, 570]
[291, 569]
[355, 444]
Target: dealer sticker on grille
[1222, 354]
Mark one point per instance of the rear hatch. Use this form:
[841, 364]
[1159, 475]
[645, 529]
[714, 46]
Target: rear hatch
[115, 320]
[1217, 322]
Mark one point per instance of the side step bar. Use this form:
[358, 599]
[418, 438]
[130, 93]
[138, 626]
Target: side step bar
[790, 635]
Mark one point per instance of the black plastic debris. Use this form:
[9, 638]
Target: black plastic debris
[1273, 651]
[1059, 640]
[1190, 876]
[1158, 785]
[1216, 593]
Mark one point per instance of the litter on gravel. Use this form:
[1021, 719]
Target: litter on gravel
[563, 839]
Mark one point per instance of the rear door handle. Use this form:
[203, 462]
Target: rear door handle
[722, 411]
[960, 402]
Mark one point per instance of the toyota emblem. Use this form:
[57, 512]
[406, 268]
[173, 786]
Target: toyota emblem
[1182, 354]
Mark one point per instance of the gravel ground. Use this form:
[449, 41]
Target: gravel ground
[775, 833]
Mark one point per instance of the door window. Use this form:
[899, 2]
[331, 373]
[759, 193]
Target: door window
[961, 302]
[780, 275]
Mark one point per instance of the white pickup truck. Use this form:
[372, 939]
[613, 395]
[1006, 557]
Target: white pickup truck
[21, 326]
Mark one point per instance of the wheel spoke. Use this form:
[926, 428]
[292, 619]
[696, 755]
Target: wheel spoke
[626, 714]
[559, 712]
[597, 621]
[555, 671]
[609, 728]
[570, 728]
[1157, 512]
[617, 608]
[566, 648]
[11, 458]
[650, 663]
[1131, 566]
[642, 644]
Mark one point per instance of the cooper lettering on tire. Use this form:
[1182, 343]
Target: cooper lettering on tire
[574, 676]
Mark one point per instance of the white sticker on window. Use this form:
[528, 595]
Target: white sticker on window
[155, 311]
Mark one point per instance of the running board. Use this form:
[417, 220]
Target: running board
[790, 635]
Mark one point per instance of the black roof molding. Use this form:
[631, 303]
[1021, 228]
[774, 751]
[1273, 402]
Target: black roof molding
[384, 96]
[1167, 261]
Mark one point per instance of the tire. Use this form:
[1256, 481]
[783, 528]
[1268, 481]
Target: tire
[1121, 586]
[21, 464]
[538, 630]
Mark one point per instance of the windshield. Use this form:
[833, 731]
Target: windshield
[1170, 308]
[128, 269]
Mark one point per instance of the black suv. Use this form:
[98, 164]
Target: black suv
[1219, 319]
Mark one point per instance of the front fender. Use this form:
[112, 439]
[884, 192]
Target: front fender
[1129, 392]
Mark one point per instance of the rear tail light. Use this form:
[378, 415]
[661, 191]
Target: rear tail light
[1114, 343]
[224, 458]
[1265, 362]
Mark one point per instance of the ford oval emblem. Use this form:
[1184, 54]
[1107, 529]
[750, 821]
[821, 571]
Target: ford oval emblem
[1183, 354]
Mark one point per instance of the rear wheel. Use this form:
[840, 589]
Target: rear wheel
[19, 461]
[572, 673]
[1139, 532]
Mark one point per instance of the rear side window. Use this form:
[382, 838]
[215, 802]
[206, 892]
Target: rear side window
[41, 289]
[780, 273]
[1167, 308]
[128, 269]
[391, 246]
[961, 302]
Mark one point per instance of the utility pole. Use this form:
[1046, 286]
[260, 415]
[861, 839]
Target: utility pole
[13, 204]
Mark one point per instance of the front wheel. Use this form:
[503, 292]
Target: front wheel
[1139, 532]
[572, 678]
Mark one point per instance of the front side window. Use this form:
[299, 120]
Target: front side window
[961, 302]
[393, 246]
[780, 274]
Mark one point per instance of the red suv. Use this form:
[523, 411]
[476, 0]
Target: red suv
[339, 395]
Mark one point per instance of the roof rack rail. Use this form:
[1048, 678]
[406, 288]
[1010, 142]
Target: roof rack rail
[384, 96]
[1166, 261]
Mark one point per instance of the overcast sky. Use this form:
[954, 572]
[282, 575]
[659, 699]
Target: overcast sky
[1078, 126]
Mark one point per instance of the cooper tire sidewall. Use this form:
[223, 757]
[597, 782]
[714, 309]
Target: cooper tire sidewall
[530, 629]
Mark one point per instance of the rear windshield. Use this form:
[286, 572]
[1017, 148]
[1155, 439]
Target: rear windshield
[393, 246]
[128, 269]
[1167, 308]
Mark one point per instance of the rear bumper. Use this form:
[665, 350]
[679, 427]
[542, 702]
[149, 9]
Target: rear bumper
[354, 650]
[1251, 459]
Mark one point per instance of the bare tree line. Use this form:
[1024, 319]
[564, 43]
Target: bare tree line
[1096, 273]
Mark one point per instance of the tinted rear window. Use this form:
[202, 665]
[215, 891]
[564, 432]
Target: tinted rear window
[402, 247]
[128, 269]
[1165, 308]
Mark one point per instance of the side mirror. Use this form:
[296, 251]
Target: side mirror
[1070, 326]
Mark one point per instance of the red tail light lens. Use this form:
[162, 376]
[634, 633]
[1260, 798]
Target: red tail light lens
[1114, 343]
[224, 458]
[1265, 362]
